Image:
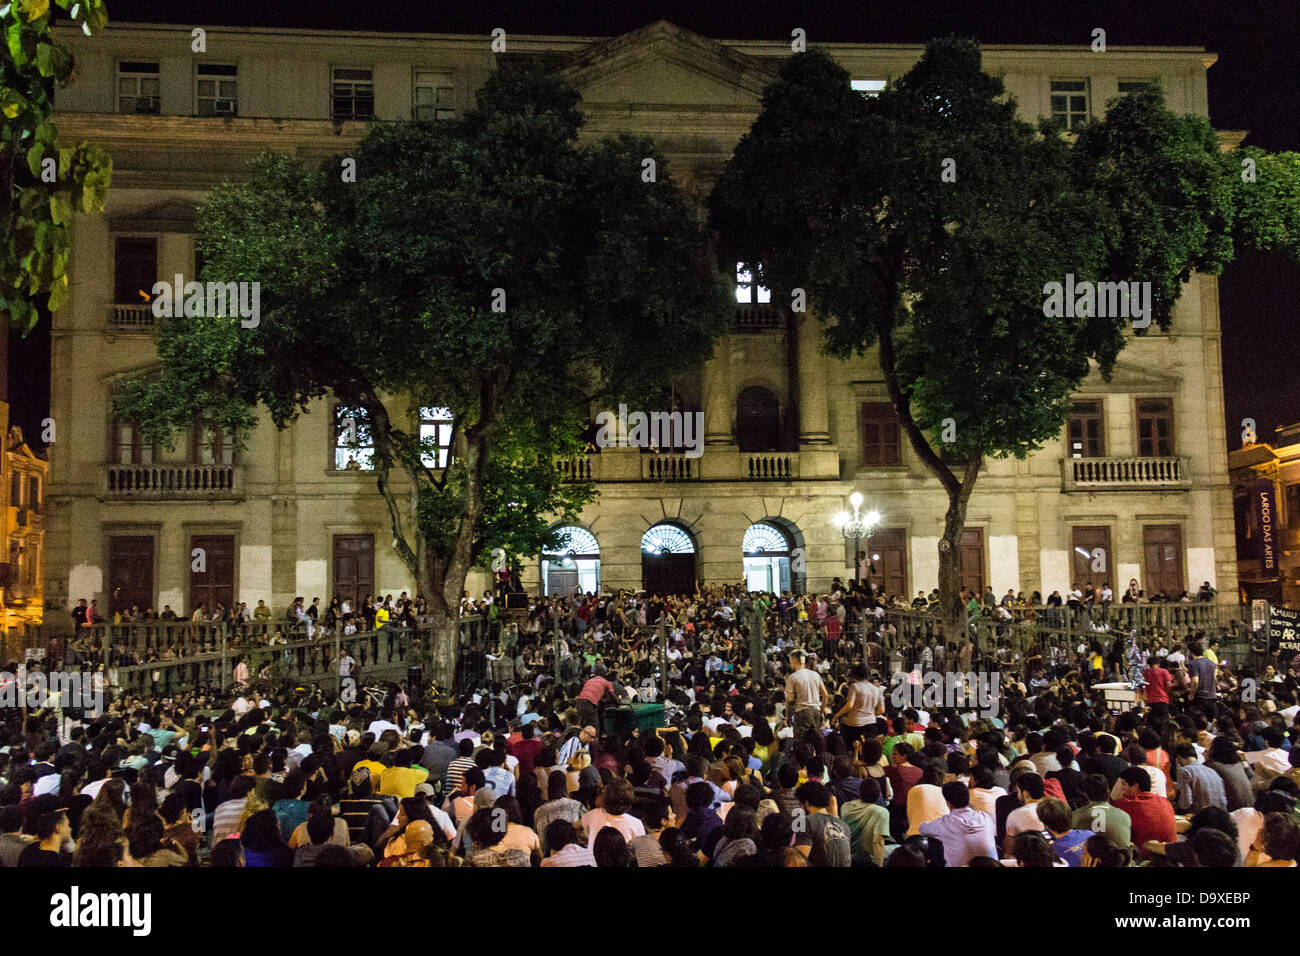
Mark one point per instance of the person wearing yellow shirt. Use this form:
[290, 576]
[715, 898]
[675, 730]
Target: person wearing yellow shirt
[375, 764]
[381, 617]
[401, 779]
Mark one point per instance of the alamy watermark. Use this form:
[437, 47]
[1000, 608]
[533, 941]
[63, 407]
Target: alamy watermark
[662, 430]
[1085, 300]
[208, 299]
[75, 909]
[931, 690]
[64, 689]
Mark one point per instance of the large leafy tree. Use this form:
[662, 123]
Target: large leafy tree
[42, 181]
[385, 293]
[944, 276]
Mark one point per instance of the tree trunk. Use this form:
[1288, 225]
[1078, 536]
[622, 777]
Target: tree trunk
[444, 644]
[954, 522]
[950, 603]
[454, 567]
[958, 491]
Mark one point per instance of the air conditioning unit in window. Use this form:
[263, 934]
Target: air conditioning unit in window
[225, 107]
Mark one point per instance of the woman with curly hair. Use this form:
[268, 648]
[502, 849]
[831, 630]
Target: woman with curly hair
[486, 829]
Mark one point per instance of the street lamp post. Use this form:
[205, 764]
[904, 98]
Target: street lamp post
[856, 526]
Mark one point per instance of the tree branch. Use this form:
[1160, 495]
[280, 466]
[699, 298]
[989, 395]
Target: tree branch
[902, 408]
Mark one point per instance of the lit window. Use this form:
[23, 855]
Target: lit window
[354, 446]
[745, 287]
[216, 90]
[139, 87]
[868, 87]
[435, 437]
[576, 542]
[667, 539]
[433, 93]
[763, 539]
[352, 94]
[1069, 103]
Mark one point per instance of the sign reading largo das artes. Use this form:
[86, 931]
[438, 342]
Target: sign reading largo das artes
[1266, 510]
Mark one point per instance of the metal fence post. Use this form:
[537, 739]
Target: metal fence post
[663, 653]
[338, 656]
[555, 646]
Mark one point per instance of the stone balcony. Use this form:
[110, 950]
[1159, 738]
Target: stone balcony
[174, 482]
[1168, 473]
[715, 464]
[137, 319]
[758, 318]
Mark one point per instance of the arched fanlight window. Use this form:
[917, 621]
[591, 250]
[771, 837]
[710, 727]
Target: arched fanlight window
[575, 542]
[765, 540]
[667, 539]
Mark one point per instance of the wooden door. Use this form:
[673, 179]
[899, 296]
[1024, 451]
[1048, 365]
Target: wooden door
[1162, 550]
[887, 551]
[130, 572]
[668, 573]
[972, 560]
[215, 583]
[354, 568]
[1091, 549]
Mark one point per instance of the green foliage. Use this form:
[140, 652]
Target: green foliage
[380, 292]
[34, 235]
[950, 275]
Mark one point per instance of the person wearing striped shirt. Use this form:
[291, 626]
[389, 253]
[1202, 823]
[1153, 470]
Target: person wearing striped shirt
[456, 769]
[582, 741]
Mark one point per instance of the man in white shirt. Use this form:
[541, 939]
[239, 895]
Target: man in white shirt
[983, 794]
[805, 696]
[1029, 791]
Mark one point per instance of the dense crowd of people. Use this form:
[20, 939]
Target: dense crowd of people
[636, 730]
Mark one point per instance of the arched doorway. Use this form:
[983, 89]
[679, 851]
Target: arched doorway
[575, 562]
[758, 420]
[766, 550]
[668, 560]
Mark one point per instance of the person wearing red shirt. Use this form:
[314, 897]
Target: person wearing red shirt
[525, 750]
[1157, 688]
[1152, 814]
[593, 692]
[902, 776]
[832, 636]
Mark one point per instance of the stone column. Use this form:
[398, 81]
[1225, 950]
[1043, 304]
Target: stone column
[814, 418]
[717, 397]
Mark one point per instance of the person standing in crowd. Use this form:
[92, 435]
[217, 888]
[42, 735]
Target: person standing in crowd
[806, 695]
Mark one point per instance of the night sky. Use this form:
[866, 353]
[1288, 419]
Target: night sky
[1255, 86]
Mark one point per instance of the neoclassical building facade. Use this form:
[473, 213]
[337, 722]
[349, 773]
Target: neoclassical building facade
[1140, 472]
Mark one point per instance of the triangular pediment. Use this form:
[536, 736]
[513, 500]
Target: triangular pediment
[170, 215]
[663, 64]
[1131, 377]
[15, 445]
